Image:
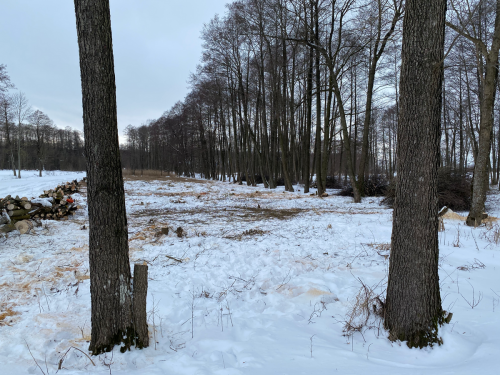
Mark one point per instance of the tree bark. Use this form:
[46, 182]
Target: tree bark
[140, 295]
[111, 294]
[413, 306]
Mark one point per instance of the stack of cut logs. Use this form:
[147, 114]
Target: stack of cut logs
[15, 211]
[65, 189]
[62, 206]
[62, 203]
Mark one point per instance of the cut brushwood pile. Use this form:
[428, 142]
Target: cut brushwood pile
[53, 204]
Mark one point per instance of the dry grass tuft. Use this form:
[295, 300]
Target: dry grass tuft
[248, 233]
[381, 246]
[367, 304]
[492, 234]
[6, 311]
[477, 265]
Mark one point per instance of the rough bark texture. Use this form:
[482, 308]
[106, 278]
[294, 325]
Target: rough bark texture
[413, 308]
[111, 297]
[140, 294]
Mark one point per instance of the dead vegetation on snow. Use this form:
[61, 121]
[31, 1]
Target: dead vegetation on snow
[247, 233]
[201, 215]
[366, 311]
[149, 176]
[7, 314]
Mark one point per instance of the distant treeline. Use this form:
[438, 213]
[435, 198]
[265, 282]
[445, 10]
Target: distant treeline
[47, 147]
[30, 140]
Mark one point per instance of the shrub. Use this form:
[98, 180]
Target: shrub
[375, 186]
[331, 183]
[454, 190]
[259, 180]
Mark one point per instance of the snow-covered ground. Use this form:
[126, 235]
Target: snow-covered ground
[261, 282]
[30, 185]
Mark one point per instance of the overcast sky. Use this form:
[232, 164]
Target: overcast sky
[156, 46]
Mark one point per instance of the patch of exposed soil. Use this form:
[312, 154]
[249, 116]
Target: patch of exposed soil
[203, 214]
[165, 178]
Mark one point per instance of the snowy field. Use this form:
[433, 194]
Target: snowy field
[260, 282]
[30, 185]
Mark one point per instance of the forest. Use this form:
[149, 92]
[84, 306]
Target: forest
[329, 182]
[287, 90]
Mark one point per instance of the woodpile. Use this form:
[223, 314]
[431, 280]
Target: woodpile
[61, 208]
[54, 204]
[14, 209]
[17, 209]
[66, 189]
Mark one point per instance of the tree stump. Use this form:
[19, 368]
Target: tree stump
[24, 226]
[140, 293]
[180, 232]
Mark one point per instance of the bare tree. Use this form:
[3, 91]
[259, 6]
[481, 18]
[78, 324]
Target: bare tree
[40, 121]
[5, 82]
[468, 24]
[7, 115]
[6, 109]
[384, 28]
[22, 110]
[289, 89]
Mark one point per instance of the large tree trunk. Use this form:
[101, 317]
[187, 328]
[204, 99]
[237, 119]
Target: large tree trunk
[413, 308]
[111, 295]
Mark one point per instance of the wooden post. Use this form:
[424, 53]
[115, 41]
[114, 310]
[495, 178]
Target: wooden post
[140, 293]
